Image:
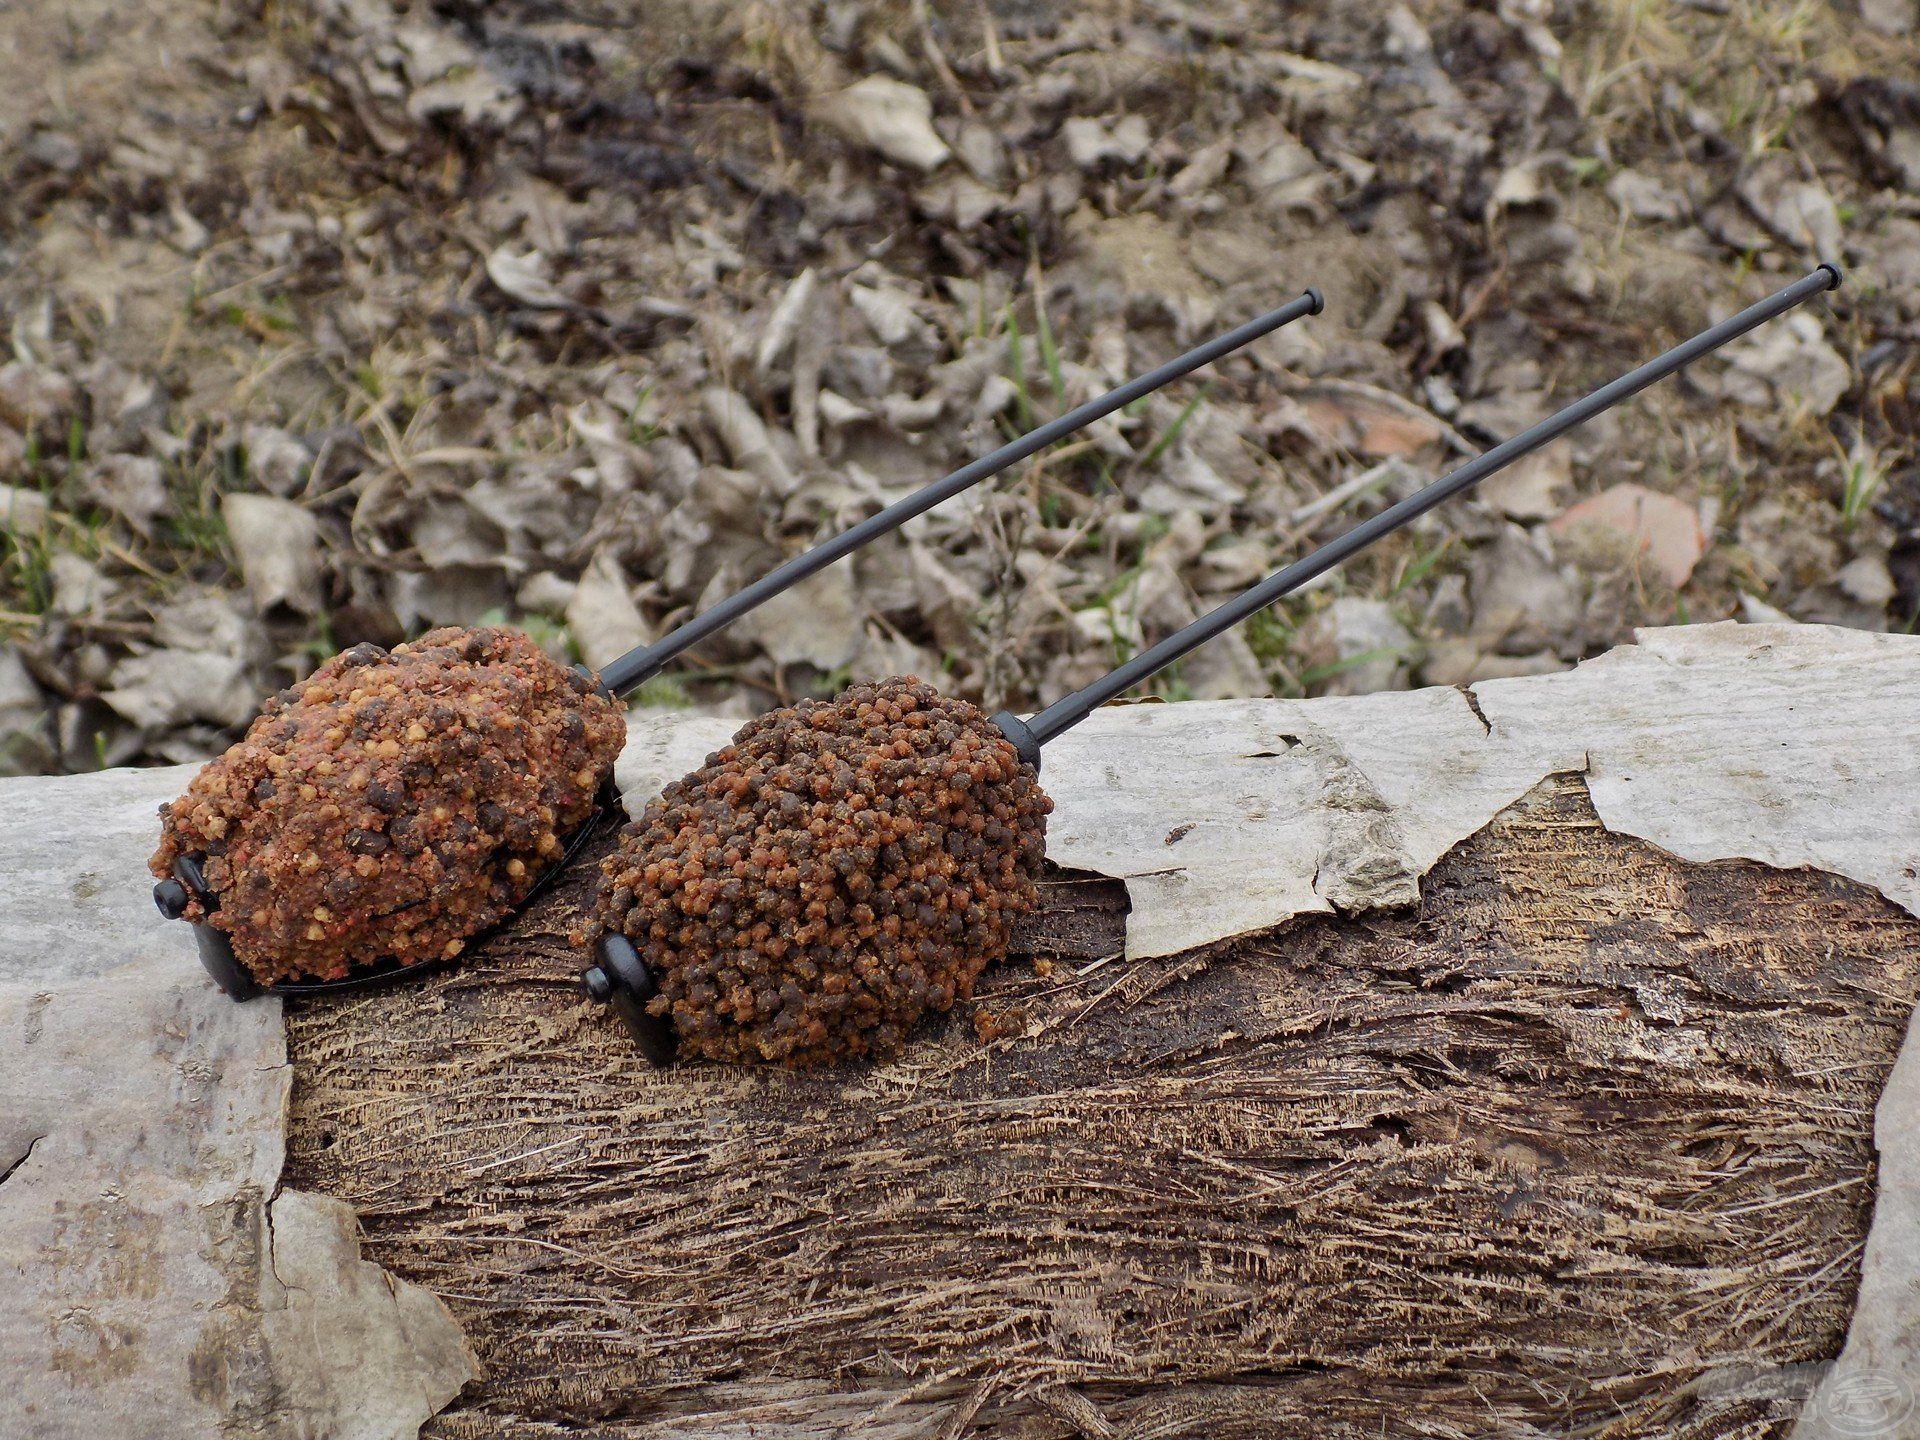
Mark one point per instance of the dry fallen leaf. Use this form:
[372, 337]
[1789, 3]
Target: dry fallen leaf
[1530, 488]
[164, 688]
[747, 438]
[1803, 213]
[31, 395]
[1868, 580]
[1663, 527]
[275, 459]
[888, 116]
[602, 616]
[1646, 198]
[820, 622]
[1370, 421]
[1360, 645]
[130, 486]
[1789, 363]
[1090, 141]
[81, 591]
[23, 511]
[784, 323]
[1891, 17]
[23, 709]
[1522, 597]
[278, 545]
[524, 277]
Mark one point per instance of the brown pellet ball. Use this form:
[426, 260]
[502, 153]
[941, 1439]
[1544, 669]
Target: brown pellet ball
[843, 868]
[393, 804]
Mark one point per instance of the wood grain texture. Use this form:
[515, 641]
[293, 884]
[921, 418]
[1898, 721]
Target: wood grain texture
[1583, 1141]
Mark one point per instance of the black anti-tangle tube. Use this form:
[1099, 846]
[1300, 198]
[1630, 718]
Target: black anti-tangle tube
[1029, 735]
[641, 664]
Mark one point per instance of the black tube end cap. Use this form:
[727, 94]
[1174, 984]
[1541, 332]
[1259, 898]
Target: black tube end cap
[216, 950]
[1020, 737]
[1318, 300]
[170, 898]
[1833, 270]
[622, 980]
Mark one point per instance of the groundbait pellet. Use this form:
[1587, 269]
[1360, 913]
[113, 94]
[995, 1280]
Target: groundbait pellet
[843, 868]
[393, 803]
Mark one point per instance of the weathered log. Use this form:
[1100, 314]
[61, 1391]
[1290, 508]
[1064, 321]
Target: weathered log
[1581, 1140]
[1501, 1061]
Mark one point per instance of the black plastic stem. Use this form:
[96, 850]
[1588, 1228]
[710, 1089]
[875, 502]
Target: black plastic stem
[641, 664]
[1064, 714]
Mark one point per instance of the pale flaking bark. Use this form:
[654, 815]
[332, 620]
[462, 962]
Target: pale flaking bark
[156, 1284]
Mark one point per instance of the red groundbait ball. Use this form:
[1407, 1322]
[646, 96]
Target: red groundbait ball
[393, 804]
[843, 868]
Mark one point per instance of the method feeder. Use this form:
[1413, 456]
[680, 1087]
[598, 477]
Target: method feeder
[845, 867]
[414, 799]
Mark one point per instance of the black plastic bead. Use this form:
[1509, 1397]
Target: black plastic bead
[171, 898]
[630, 985]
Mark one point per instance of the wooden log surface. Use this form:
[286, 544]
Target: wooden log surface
[1579, 1142]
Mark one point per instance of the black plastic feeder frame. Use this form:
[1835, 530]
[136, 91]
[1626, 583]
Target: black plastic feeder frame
[621, 979]
[1028, 736]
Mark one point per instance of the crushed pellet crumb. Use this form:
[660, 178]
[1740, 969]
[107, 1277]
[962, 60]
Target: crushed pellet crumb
[990, 1025]
[393, 804]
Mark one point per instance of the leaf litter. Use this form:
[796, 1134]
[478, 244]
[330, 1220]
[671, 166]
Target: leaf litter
[359, 318]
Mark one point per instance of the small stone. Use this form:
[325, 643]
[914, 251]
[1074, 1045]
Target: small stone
[1867, 580]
